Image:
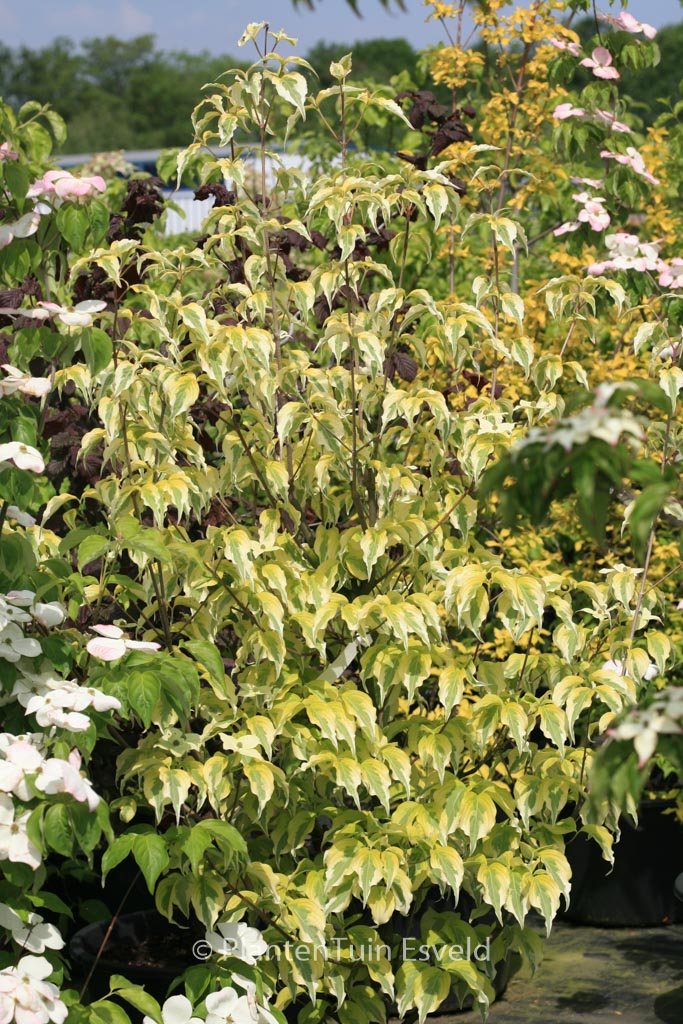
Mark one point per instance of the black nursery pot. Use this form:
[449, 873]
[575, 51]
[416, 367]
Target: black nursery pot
[639, 891]
[132, 938]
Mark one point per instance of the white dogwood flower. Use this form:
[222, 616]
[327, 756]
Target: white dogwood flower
[14, 645]
[21, 759]
[112, 644]
[238, 940]
[10, 612]
[22, 228]
[47, 614]
[15, 844]
[59, 776]
[34, 934]
[22, 455]
[600, 63]
[176, 1010]
[227, 1007]
[23, 383]
[26, 997]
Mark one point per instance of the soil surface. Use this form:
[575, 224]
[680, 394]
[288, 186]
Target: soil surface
[168, 951]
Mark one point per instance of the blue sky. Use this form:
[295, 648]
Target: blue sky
[216, 25]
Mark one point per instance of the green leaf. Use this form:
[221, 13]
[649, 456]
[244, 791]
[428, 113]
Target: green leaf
[544, 896]
[16, 179]
[494, 879]
[292, 87]
[142, 540]
[373, 544]
[659, 648]
[644, 512]
[151, 856]
[137, 997]
[92, 548]
[529, 945]
[341, 69]
[446, 868]
[144, 690]
[98, 214]
[260, 777]
[208, 898]
[58, 830]
[348, 776]
[367, 865]
[73, 222]
[309, 919]
[376, 780]
[322, 714]
[50, 902]
[671, 382]
[173, 891]
[436, 197]
[476, 816]
[557, 866]
[603, 838]
[117, 852]
[398, 763]
[176, 785]
[513, 307]
[104, 1011]
[57, 126]
[226, 835]
[451, 686]
[182, 391]
[86, 826]
[194, 317]
[209, 657]
[553, 723]
[517, 902]
[421, 986]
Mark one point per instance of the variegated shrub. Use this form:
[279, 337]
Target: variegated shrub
[372, 710]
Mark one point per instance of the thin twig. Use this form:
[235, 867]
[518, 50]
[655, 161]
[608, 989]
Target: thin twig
[107, 935]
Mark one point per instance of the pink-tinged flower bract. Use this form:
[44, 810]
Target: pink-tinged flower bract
[600, 63]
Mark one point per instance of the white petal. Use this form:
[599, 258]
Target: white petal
[23, 456]
[27, 647]
[17, 516]
[35, 314]
[96, 306]
[35, 386]
[22, 598]
[9, 918]
[106, 650]
[645, 744]
[176, 1010]
[103, 702]
[24, 755]
[142, 645]
[48, 614]
[11, 776]
[35, 966]
[26, 225]
[112, 631]
[221, 1003]
[74, 319]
